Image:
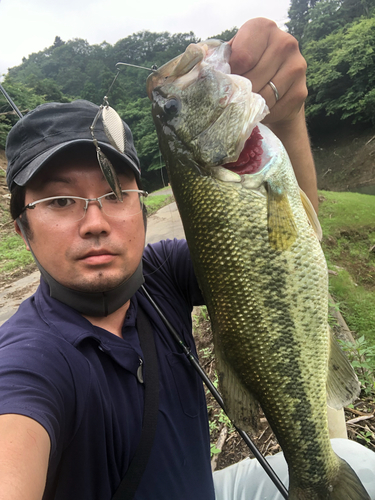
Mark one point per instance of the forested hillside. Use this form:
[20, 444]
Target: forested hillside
[337, 38]
[77, 70]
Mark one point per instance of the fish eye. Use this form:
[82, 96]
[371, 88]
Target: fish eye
[172, 106]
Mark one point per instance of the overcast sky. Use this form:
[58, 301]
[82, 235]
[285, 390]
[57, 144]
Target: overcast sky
[28, 26]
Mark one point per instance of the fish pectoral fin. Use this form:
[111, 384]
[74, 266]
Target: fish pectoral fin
[343, 386]
[311, 215]
[282, 230]
[240, 405]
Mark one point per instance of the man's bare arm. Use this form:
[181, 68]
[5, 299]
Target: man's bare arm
[24, 453]
[293, 134]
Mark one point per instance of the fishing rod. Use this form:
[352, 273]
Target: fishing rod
[7, 97]
[195, 363]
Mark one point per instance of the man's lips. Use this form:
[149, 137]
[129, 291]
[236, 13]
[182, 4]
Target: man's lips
[98, 257]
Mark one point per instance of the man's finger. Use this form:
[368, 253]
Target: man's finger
[249, 44]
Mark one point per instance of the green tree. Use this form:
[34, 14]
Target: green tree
[298, 13]
[226, 35]
[24, 98]
[353, 9]
[315, 19]
[58, 42]
[341, 74]
[137, 115]
[324, 19]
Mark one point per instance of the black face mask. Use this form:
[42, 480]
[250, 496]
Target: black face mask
[90, 304]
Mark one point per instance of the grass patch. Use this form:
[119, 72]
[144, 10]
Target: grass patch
[356, 305]
[348, 225]
[13, 254]
[155, 202]
[346, 210]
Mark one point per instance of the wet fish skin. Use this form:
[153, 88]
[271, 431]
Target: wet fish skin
[261, 271]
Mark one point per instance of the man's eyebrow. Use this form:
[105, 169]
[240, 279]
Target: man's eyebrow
[58, 180]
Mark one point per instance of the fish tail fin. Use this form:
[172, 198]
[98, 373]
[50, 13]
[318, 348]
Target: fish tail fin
[344, 485]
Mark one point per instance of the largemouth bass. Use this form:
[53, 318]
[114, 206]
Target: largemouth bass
[253, 240]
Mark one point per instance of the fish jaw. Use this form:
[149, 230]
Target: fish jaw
[214, 51]
[228, 104]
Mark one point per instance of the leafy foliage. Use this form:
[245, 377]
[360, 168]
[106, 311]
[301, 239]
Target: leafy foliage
[77, 70]
[315, 19]
[362, 357]
[299, 16]
[226, 35]
[341, 73]
[24, 97]
[337, 39]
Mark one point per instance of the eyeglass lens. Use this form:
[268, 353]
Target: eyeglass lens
[74, 209]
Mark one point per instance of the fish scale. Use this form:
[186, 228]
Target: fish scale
[245, 313]
[260, 267]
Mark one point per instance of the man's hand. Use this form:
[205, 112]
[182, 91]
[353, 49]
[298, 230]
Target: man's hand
[262, 52]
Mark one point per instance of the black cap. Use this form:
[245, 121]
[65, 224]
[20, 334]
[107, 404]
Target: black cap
[51, 127]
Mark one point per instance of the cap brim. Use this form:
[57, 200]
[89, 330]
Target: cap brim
[32, 168]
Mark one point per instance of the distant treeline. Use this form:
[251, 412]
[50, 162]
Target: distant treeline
[337, 38]
[77, 70]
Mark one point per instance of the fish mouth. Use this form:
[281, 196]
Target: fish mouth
[252, 158]
[184, 63]
[247, 155]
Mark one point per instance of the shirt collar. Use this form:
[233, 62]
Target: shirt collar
[70, 324]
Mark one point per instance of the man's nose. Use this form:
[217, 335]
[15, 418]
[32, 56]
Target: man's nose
[95, 221]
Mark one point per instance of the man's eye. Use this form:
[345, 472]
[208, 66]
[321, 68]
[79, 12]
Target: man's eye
[61, 202]
[111, 197]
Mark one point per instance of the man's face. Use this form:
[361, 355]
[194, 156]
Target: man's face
[95, 253]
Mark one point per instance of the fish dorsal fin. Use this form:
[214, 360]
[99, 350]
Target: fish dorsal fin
[240, 405]
[282, 230]
[311, 214]
[343, 386]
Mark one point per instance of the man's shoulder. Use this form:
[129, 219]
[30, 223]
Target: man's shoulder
[29, 346]
[163, 248]
[166, 256]
[25, 318]
[30, 327]
[169, 272]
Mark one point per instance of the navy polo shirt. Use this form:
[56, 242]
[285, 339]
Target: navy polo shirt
[80, 383]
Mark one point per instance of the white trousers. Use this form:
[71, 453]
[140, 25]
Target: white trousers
[247, 480]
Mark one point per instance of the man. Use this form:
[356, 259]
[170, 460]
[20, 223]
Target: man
[71, 364]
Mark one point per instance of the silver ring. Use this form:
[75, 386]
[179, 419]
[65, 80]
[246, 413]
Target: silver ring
[275, 91]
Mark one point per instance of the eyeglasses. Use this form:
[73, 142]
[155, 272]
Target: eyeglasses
[73, 208]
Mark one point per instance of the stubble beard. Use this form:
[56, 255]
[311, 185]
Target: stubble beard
[99, 283]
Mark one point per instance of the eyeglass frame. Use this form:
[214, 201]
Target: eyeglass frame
[33, 204]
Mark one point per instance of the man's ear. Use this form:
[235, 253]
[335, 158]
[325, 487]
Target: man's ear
[18, 231]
